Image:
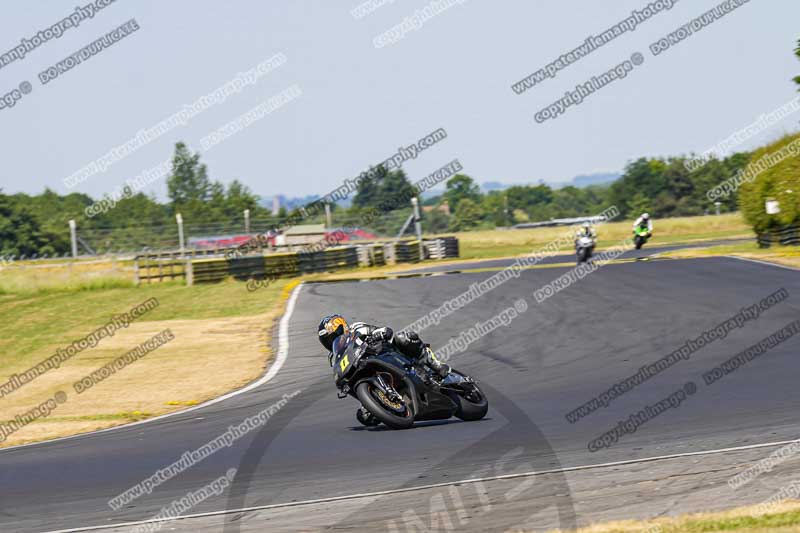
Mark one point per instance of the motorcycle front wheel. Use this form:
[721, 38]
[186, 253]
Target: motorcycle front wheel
[396, 415]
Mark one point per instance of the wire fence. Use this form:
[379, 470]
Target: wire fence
[131, 240]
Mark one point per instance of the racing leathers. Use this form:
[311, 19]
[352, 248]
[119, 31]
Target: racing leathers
[643, 223]
[377, 339]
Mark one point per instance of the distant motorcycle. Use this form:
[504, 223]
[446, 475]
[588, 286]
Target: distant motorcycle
[640, 236]
[396, 391]
[584, 246]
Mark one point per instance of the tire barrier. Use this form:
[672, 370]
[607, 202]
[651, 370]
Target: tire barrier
[371, 255]
[786, 236]
[292, 264]
[441, 248]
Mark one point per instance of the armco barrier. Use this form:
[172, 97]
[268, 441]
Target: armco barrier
[787, 236]
[292, 264]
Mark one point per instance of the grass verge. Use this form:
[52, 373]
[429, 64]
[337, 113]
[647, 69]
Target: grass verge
[222, 342]
[491, 244]
[782, 255]
[783, 519]
[29, 277]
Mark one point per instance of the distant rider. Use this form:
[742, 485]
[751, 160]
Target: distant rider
[644, 222]
[586, 231]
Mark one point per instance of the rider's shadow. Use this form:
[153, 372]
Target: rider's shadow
[418, 425]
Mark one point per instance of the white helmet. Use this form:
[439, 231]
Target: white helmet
[645, 216]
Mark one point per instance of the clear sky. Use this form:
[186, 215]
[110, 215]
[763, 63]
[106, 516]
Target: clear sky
[360, 103]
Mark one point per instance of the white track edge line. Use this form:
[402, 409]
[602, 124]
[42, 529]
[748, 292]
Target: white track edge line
[433, 486]
[283, 351]
[766, 263]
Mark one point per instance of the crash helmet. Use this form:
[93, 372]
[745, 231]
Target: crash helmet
[645, 216]
[331, 327]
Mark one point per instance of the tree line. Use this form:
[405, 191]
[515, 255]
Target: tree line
[38, 224]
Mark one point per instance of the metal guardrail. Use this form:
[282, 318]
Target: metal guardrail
[559, 222]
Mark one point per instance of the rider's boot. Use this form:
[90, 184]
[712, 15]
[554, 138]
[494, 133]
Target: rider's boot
[366, 418]
[430, 359]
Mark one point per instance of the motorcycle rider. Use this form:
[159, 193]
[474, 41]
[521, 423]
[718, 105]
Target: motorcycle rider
[586, 231]
[644, 222]
[377, 339]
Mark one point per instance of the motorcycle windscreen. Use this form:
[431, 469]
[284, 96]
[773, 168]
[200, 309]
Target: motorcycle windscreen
[345, 357]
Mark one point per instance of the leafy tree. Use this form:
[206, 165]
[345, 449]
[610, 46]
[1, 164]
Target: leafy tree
[460, 187]
[639, 204]
[780, 182]
[21, 233]
[188, 185]
[466, 217]
[369, 190]
[387, 191]
[434, 221]
[494, 207]
[670, 189]
[526, 197]
[797, 53]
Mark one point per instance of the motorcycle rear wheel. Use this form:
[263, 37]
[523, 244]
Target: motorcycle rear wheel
[470, 409]
[368, 395]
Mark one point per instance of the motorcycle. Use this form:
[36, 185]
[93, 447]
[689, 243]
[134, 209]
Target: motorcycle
[641, 235]
[394, 390]
[584, 246]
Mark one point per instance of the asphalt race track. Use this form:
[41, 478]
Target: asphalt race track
[547, 361]
[646, 251]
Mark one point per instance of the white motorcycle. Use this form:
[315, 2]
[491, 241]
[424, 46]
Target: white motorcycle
[584, 246]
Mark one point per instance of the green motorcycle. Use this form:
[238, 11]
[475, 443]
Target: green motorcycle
[640, 236]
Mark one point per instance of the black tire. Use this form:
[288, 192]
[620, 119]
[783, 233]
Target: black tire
[583, 255]
[639, 242]
[364, 393]
[469, 410]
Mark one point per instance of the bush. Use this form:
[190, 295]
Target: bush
[779, 182]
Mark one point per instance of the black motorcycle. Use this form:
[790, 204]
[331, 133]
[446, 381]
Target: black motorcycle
[394, 390]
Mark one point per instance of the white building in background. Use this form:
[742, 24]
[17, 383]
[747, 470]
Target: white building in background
[276, 205]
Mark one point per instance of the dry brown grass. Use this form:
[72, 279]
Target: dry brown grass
[504, 243]
[207, 358]
[782, 255]
[33, 276]
[785, 517]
